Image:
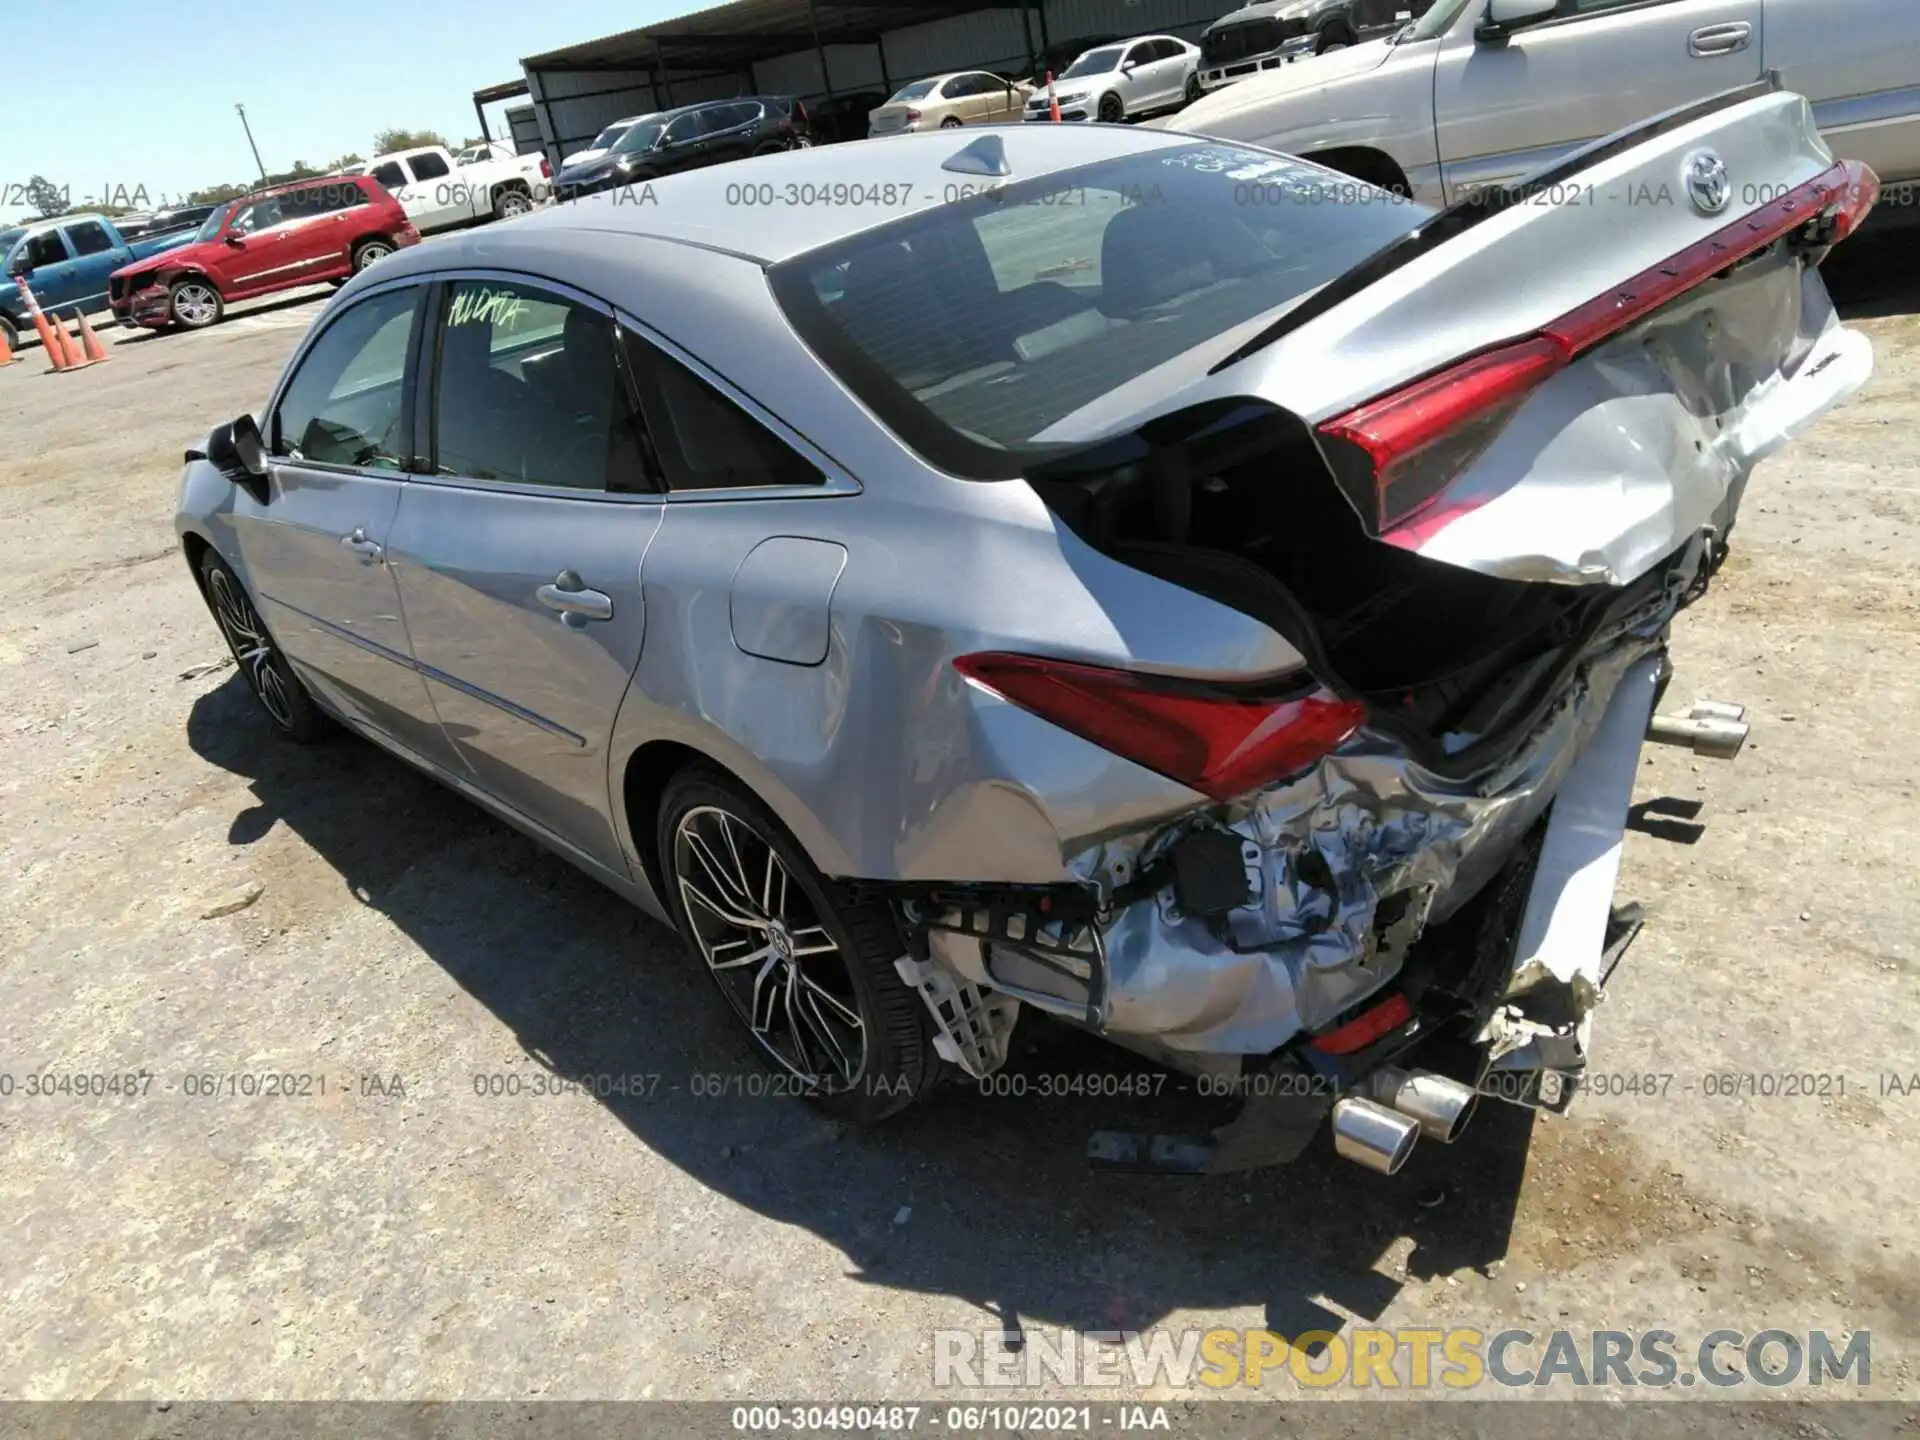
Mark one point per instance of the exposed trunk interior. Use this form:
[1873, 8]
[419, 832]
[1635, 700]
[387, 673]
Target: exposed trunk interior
[1235, 502]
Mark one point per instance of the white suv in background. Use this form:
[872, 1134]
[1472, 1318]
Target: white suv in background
[1122, 81]
[1480, 92]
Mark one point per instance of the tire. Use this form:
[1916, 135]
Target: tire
[724, 848]
[1334, 37]
[368, 251]
[278, 690]
[1194, 89]
[194, 303]
[952, 122]
[510, 202]
[1113, 110]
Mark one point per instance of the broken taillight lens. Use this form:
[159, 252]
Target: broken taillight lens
[1220, 740]
[1394, 455]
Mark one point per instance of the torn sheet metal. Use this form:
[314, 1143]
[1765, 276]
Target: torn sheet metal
[1346, 864]
[1545, 1025]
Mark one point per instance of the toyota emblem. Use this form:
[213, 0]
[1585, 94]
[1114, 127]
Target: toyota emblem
[1707, 182]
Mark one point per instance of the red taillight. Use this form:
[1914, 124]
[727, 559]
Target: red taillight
[1361, 1031]
[1222, 742]
[799, 112]
[912, 115]
[1418, 440]
[546, 169]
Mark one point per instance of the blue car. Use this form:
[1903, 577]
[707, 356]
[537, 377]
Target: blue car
[67, 263]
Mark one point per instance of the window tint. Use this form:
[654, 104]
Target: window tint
[346, 403]
[978, 325]
[1141, 54]
[1168, 49]
[89, 238]
[705, 441]
[390, 175]
[428, 166]
[686, 128]
[257, 215]
[46, 248]
[528, 390]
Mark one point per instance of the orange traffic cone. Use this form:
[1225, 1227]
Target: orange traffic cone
[90, 343]
[56, 353]
[6, 350]
[75, 359]
[1053, 100]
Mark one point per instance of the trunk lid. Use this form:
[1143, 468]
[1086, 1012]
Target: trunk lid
[1674, 263]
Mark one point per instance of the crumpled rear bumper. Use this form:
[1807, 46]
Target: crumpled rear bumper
[1216, 942]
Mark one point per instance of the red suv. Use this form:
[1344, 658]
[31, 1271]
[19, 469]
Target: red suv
[278, 239]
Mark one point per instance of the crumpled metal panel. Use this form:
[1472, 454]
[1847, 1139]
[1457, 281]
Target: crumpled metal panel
[1325, 851]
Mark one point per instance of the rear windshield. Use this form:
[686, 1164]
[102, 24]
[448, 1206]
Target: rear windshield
[919, 90]
[975, 327]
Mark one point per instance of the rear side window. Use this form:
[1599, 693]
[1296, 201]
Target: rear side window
[89, 238]
[705, 441]
[428, 166]
[528, 390]
[346, 403]
[976, 328]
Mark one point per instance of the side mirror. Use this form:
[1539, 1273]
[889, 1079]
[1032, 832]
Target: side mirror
[1503, 17]
[237, 452]
[21, 266]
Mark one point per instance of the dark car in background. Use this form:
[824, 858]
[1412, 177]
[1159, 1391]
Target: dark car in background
[1267, 33]
[709, 133]
[844, 117]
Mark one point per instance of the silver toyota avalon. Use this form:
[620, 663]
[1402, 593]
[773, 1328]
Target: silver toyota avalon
[1149, 580]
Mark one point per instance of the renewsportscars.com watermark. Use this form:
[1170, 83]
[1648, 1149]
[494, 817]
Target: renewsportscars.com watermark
[1457, 1358]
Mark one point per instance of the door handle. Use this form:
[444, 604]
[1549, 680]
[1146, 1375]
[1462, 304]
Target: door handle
[576, 603]
[369, 551]
[1712, 40]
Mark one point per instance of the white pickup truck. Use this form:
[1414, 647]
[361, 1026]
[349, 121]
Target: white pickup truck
[439, 195]
[1480, 92]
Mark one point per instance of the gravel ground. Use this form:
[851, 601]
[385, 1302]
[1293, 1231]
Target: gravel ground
[184, 896]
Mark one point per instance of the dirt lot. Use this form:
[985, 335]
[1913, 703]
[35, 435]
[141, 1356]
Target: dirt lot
[401, 1235]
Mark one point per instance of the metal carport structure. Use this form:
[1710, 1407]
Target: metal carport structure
[814, 50]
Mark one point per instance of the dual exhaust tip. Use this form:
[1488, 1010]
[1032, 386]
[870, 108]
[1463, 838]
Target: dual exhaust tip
[1379, 1125]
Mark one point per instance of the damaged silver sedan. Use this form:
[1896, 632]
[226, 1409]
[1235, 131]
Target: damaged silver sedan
[1151, 581]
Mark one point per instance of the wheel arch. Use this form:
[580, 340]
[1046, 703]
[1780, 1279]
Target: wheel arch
[650, 767]
[1364, 162]
[512, 182]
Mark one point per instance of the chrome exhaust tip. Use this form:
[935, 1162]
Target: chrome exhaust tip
[1373, 1135]
[1713, 730]
[1440, 1106]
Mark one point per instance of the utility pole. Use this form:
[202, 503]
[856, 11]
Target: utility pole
[250, 145]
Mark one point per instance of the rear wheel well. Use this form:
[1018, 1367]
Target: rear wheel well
[1376, 167]
[505, 185]
[649, 771]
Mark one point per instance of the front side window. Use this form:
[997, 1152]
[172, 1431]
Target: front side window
[704, 440]
[428, 166]
[977, 328]
[391, 175]
[89, 238]
[211, 226]
[257, 215]
[528, 390]
[46, 248]
[346, 405]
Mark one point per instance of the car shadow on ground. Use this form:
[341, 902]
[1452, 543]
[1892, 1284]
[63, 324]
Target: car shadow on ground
[1873, 275]
[1004, 1211]
[128, 334]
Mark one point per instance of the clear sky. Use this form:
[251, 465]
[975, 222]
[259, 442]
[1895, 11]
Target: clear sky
[122, 94]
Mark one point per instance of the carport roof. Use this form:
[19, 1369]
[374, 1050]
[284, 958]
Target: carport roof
[730, 37]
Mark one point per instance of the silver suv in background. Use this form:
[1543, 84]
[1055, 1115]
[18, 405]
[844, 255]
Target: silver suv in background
[1479, 92]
